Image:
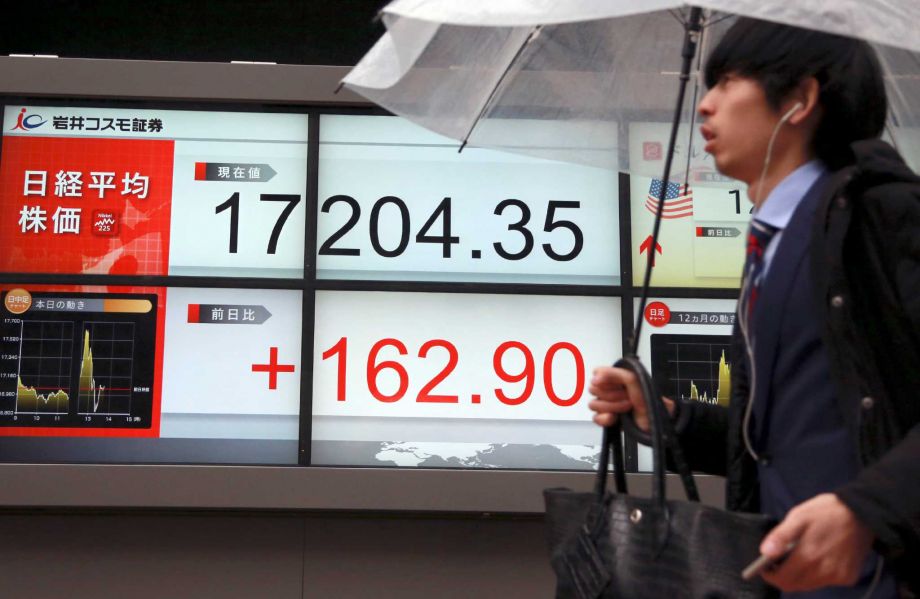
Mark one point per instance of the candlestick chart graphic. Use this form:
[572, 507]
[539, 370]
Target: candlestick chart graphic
[692, 367]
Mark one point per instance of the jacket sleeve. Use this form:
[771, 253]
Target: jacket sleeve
[886, 494]
[886, 497]
[702, 431]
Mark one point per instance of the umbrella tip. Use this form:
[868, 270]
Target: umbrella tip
[339, 87]
[463, 145]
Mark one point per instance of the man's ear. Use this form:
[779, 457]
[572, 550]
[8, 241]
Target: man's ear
[805, 94]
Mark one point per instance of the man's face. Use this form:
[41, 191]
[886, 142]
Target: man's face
[738, 125]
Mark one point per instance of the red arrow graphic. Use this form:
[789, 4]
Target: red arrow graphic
[648, 244]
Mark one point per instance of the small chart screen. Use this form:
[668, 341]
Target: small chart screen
[73, 360]
[692, 367]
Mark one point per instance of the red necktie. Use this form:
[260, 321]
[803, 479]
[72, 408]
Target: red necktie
[759, 236]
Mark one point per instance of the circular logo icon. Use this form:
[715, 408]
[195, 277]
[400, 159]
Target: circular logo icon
[17, 301]
[657, 314]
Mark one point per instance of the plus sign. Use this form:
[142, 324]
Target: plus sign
[273, 368]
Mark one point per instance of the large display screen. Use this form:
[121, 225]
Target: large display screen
[483, 370]
[398, 202]
[685, 343]
[458, 380]
[188, 374]
[152, 192]
[705, 219]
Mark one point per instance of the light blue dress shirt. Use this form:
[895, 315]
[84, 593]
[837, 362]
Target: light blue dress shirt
[781, 204]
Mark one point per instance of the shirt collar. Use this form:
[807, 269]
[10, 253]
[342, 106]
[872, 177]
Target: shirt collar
[778, 208]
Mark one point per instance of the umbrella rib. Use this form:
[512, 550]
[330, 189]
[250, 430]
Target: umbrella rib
[726, 17]
[530, 37]
[696, 95]
[677, 17]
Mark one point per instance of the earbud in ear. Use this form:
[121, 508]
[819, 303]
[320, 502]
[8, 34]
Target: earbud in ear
[798, 106]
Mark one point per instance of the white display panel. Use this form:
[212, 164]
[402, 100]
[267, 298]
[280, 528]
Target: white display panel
[436, 379]
[398, 202]
[238, 197]
[232, 363]
[702, 237]
[908, 145]
[684, 344]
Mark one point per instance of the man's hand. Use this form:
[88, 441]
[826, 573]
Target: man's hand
[617, 391]
[831, 547]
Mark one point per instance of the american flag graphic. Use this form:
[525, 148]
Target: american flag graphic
[678, 199]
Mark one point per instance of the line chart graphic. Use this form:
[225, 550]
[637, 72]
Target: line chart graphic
[692, 367]
[106, 368]
[43, 368]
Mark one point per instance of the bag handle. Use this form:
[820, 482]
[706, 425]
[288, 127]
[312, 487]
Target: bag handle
[611, 442]
[661, 436]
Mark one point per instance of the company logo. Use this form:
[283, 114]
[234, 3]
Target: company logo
[27, 123]
[105, 223]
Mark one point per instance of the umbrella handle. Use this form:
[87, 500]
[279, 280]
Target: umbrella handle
[692, 30]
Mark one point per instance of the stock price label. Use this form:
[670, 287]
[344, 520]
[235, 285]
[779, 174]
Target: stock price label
[397, 202]
[238, 206]
[459, 356]
[232, 355]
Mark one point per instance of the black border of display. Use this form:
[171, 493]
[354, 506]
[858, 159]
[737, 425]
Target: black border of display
[304, 443]
[627, 292]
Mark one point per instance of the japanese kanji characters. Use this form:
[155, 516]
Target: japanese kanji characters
[136, 184]
[66, 220]
[102, 181]
[92, 123]
[35, 183]
[32, 218]
[73, 184]
[69, 184]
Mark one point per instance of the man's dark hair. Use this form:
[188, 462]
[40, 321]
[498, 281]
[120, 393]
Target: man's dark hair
[779, 57]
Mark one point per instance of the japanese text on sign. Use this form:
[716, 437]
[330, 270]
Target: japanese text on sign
[80, 123]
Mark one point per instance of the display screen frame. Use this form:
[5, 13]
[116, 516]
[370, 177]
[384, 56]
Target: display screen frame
[627, 292]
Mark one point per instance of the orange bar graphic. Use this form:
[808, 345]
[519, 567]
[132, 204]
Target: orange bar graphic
[134, 306]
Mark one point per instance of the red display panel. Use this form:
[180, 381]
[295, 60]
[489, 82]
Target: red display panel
[121, 191]
[85, 205]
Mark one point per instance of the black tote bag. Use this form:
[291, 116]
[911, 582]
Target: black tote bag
[615, 545]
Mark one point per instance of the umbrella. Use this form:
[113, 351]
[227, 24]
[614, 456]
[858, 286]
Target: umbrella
[558, 80]
[553, 79]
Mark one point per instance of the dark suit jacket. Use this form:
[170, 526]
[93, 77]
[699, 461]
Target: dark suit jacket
[864, 253]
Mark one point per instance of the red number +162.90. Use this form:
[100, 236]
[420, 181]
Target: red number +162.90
[527, 375]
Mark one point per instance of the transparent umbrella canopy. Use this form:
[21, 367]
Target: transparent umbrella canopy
[563, 80]
[558, 80]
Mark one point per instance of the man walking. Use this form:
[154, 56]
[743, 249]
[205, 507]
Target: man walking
[823, 428]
